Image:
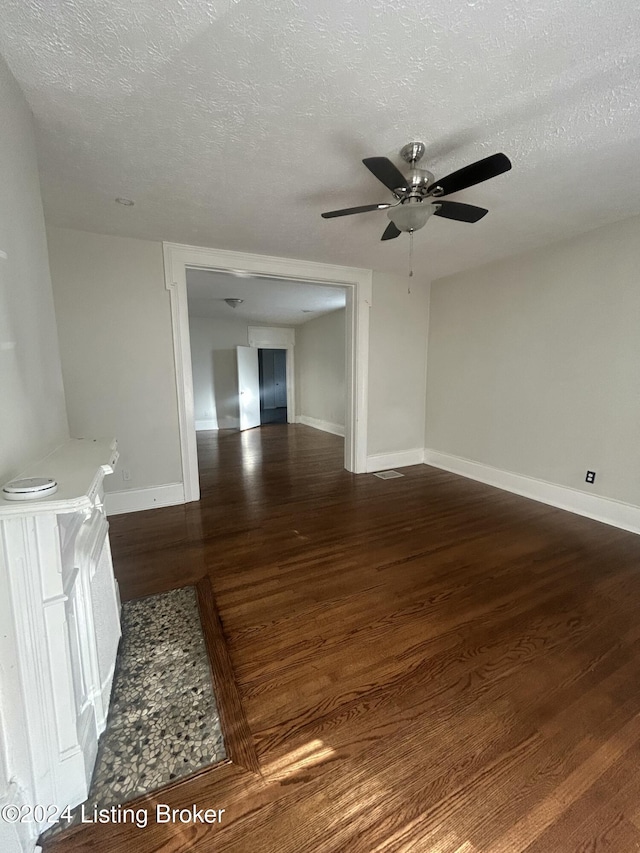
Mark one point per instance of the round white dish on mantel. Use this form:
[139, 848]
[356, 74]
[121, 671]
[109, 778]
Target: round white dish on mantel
[29, 488]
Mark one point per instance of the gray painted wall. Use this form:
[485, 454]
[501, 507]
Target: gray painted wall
[534, 362]
[33, 419]
[117, 351]
[215, 368]
[397, 363]
[320, 357]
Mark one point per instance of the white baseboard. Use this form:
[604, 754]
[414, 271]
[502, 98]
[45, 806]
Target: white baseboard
[384, 461]
[325, 426]
[135, 500]
[202, 425]
[618, 514]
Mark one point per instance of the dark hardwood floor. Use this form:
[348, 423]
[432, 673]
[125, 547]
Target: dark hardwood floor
[426, 664]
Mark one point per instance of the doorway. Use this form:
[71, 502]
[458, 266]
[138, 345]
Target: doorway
[358, 286]
[272, 377]
[262, 391]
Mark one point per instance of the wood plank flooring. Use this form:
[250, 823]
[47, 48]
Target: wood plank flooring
[426, 664]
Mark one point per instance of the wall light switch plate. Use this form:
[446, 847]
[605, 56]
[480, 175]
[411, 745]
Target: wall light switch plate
[591, 477]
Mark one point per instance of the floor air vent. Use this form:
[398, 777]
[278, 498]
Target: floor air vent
[388, 475]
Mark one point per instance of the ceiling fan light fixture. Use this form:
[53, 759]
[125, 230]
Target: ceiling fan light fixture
[411, 217]
[414, 192]
[233, 302]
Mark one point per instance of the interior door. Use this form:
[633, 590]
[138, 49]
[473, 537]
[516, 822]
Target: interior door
[248, 387]
[280, 377]
[267, 379]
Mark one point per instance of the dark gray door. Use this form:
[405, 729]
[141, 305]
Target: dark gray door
[280, 376]
[273, 385]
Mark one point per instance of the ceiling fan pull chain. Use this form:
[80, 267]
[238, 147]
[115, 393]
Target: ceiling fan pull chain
[410, 259]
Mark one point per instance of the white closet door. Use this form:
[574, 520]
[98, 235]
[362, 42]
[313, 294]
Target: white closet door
[248, 387]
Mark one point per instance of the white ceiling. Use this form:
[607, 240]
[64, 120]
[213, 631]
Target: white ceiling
[266, 300]
[234, 124]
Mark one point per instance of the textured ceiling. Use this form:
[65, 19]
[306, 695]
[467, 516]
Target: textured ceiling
[266, 300]
[234, 124]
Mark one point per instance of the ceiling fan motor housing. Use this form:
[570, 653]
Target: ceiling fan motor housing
[419, 182]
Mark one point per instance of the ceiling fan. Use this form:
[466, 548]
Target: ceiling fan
[417, 195]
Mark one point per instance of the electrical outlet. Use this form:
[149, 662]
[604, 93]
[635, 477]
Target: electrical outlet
[591, 477]
[126, 474]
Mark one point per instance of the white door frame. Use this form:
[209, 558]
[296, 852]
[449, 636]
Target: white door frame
[178, 258]
[275, 337]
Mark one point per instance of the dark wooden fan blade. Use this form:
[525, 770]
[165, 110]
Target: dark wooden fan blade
[385, 171]
[391, 232]
[347, 211]
[475, 173]
[459, 212]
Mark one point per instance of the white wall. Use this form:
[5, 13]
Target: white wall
[534, 363]
[320, 359]
[117, 353]
[215, 369]
[32, 408]
[398, 331]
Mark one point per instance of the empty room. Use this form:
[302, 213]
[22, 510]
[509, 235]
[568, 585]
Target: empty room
[319, 418]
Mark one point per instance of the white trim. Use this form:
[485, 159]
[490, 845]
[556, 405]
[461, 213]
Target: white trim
[618, 514]
[175, 277]
[358, 284]
[271, 337]
[400, 459]
[325, 426]
[135, 500]
[202, 425]
[276, 337]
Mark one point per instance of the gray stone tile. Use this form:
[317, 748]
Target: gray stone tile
[163, 720]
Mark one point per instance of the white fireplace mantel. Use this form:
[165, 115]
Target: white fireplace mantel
[59, 634]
